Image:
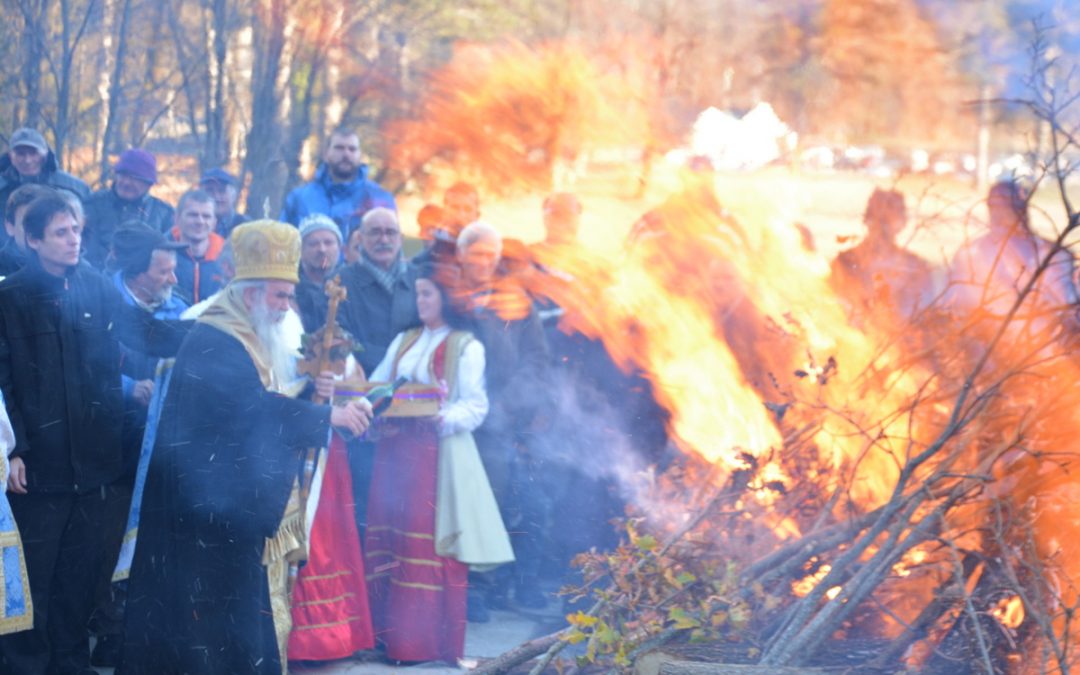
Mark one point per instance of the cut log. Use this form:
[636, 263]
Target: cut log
[720, 658]
[697, 668]
[518, 655]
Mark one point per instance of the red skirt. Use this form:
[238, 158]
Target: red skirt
[331, 618]
[417, 597]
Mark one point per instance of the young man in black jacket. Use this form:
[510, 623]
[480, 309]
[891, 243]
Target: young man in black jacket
[61, 325]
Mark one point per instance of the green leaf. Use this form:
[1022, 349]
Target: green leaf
[685, 578]
[681, 620]
[574, 637]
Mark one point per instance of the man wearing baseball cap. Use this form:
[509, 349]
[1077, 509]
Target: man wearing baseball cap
[29, 160]
[127, 199]
[224, 188]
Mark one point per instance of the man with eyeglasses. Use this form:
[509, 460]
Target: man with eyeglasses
[380, 303]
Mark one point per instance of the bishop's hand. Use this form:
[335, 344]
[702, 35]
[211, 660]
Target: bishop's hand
[354, 417]
[324, 385]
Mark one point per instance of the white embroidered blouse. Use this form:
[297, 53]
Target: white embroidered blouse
[468, 405]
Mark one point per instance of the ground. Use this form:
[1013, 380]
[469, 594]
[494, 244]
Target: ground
[506, 630]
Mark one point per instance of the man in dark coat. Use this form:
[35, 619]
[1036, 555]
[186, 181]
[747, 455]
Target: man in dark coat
[61, 324]
[341, 188]
[320, 256]
[29, 160]
[128, 199]
[207, 586]
[145, 276]
[13, 252]
[380, 302]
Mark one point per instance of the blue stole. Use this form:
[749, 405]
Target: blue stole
[153, 416]
[16, 609]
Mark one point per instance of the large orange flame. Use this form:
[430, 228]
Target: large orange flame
[752, 337]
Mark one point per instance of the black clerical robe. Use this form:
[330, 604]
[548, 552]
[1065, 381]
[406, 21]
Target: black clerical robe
[224, 463]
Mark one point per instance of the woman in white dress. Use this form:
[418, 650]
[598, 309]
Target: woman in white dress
[432, 515]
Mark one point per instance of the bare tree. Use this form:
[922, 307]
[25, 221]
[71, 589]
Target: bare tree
[114, 102]
[263, 159]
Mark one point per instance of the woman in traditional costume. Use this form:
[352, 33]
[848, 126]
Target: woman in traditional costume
[432, 515]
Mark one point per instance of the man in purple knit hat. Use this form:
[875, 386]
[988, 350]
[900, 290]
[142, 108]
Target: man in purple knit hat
[127, 199]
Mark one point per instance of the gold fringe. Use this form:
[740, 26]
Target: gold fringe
[286, 547]
[277, 577]
[290, 541]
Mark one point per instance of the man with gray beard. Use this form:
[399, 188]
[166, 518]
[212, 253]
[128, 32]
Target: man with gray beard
[221, 517]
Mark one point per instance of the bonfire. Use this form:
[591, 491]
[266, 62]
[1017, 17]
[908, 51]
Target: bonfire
[865, 484]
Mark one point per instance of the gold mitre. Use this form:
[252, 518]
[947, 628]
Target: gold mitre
[266, 249]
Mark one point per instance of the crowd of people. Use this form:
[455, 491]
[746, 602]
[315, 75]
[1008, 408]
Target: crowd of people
[189, 499]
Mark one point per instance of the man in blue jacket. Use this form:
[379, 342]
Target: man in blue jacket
[341, 188]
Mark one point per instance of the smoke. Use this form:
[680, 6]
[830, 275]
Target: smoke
[596, 456]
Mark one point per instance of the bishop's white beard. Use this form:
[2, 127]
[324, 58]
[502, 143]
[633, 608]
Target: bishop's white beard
[270, 329]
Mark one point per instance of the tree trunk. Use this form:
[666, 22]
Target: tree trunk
[35, 34]
[215, 153]
[263, 157]
[183, 60]
[69, 40]
[302, 102]
[115, 92]
[138, 127]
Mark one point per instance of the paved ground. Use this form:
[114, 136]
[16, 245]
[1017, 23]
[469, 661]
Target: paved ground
[506, 630]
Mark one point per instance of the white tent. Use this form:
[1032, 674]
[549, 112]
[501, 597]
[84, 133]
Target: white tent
[749, 142]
